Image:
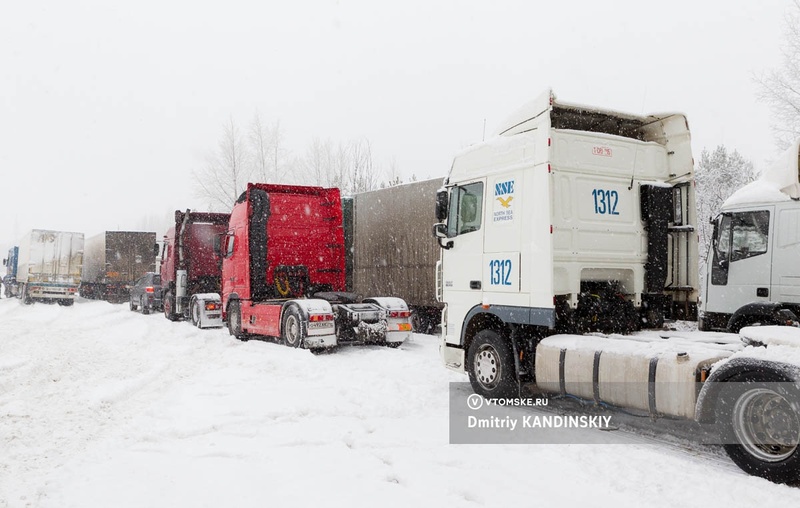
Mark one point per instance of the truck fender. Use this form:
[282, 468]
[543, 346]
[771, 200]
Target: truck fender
[504, 315]
[772, 311]
[706, 407]
[231, 297]
[307, 307]
[388, 303]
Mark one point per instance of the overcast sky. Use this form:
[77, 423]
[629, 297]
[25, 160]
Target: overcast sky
[107, 107]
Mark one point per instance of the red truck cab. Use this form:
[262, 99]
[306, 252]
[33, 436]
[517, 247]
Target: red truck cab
[283, 273]
[191, 261]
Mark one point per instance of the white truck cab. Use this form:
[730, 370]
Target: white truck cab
[571, 218]
[753, 274]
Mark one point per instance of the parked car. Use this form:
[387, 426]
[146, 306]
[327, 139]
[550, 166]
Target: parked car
[146, 293]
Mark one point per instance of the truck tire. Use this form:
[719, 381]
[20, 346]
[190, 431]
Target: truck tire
[758, 413]
[26, 299]
[145, 308]
[169, 306]
[490, 365]
[66, 302]
[235, 320]
[293, 330]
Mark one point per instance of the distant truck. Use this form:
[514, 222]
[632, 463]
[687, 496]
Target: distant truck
[753, 265]
[45, 266]
[113, 261]
[10, 278]
[191, 268]
[386, 252]
[283, 274]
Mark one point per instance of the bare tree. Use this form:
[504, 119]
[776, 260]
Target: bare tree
[318, 161]
[363, 172]
[780, 88]
[260, 149]
[279, 155]
[225, 173]
[394, 177]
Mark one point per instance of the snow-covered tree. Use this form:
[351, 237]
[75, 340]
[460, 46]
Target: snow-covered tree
[718, 175]
[780, 88]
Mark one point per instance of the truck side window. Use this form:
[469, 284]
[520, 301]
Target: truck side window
[466, 209]
[749, 234]
[229, 245]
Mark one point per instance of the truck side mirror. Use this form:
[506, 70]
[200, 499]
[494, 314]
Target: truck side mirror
[441, 204]
[440, 232]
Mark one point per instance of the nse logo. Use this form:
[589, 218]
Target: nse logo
[504, 194]
[504, 188]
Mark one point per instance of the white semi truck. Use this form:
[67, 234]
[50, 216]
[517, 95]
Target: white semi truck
[574, 219]
[47, 267]
[753, 273]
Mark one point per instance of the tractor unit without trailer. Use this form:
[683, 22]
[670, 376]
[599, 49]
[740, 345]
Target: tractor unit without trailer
[191, 268]
[752, 270]
[283, 274]
[575, 219]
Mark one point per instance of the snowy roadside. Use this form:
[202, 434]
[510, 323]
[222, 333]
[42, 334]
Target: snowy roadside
[100, 406]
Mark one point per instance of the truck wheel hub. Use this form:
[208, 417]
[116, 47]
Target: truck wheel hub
[766, 425]
[487, 366]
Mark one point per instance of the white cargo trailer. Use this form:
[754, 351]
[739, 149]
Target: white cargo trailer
[576, 219]
[386, 254]
[49, 266]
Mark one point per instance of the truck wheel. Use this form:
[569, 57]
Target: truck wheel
[132, 305]
[759, 417]
[145, 308]
[292, 329]
[26, 299]
[490, 365]
[235, 321]
[195, 313]
[66, 302]
[169, 306]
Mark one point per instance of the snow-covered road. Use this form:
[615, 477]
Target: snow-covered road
[103, 407]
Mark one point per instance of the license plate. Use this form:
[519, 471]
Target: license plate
[316, 326]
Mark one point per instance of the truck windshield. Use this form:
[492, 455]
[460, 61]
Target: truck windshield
[742, 235]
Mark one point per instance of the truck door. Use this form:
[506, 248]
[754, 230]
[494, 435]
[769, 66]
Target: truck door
[235, 273]
[740, 268]
[463, 262]
[785, 255]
